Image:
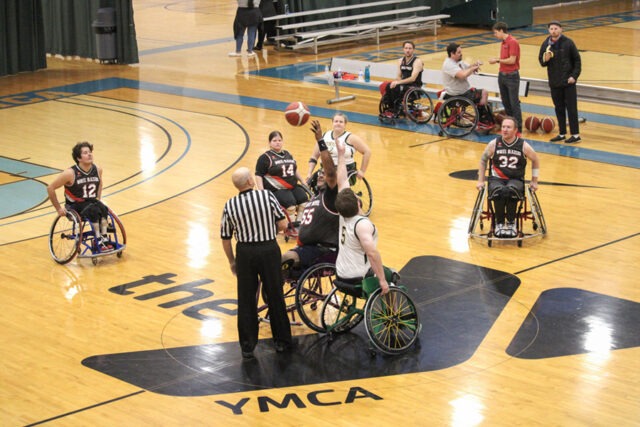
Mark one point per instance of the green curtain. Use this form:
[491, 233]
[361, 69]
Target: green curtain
[127, 44]
[21, 36]
[69, 31]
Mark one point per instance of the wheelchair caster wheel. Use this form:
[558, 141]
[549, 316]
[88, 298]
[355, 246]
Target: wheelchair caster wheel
[94, 261]
[440, 133]
[119, 254]
[519, 243]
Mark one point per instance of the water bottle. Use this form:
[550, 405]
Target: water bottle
[339, 73]
[360, 76]
[326, 70]
[367, 74]
[286, 9]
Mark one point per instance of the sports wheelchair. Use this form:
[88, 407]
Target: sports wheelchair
[391, 320]
[414, 104]
[360, 187]
[304, 290]
[528, 209]
[458, 116]
[72, 235]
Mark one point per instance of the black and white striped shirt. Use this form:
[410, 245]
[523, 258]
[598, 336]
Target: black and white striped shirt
[252, 215]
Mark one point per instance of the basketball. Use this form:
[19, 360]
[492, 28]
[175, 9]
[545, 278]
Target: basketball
[532, 123]
[547, 124]
[498, 117]
[297, 114]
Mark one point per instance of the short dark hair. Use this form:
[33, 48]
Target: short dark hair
[347, 203]
[274, 134]
[410, 42]
[76, 153]
[500, 26]
[451, 48]
[554, 23]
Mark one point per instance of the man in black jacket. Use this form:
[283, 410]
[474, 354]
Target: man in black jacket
[561, 57]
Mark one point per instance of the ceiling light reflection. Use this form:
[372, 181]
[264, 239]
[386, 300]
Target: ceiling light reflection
[458, 236]
[211, 328]
[598, 341]
[467, 411]
[198, 247]
[147, 155]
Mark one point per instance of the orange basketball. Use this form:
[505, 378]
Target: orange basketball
[532, 123]
[547, 124]
[297, 114]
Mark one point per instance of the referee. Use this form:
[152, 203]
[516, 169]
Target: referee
[255, 217]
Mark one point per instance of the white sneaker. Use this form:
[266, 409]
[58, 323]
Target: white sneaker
[235, 53]
[251, 54]
[499, 231]
[511, 229]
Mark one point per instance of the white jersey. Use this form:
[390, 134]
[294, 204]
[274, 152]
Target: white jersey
[349, 152]
[352, 262]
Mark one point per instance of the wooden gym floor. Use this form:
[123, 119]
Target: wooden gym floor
[546, 334]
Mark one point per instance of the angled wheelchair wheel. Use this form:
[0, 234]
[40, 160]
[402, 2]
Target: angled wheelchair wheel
[392, 321]
[341, 312]
[417, 105]
[311, 290]
[477, 210]
[65, 237]
[538, 216]
[362, 189]
[117, 233]
[457, 116]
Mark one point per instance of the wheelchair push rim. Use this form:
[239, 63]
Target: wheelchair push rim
[64, 237]
[457, 116]
[362, 189]
[392, 321]
[418, 106]
[313, 287]
[341, 311]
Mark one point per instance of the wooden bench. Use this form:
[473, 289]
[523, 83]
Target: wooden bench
[432, 79]
[303, 35]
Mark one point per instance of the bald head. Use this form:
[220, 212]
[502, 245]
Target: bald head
[242, 179]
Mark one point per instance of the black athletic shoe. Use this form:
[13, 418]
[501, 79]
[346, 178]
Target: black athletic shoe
[557, 138]
[573, 140]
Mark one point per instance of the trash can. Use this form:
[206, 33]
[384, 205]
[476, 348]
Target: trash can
[105, 29]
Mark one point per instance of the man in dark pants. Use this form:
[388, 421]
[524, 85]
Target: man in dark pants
[561, 57]
[509, 74]
[255, 217]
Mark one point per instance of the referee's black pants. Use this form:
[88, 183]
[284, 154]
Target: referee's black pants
[262, 261]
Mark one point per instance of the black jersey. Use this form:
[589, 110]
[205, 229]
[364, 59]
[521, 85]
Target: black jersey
[85, 185]
[406, 69]
[320, 220]
[508, 161]
[278, 170]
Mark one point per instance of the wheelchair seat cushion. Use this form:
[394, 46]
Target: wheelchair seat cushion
[351, 287]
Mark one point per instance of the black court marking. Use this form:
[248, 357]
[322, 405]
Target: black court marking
[458, 304]
[569, 321]
[472, 175]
